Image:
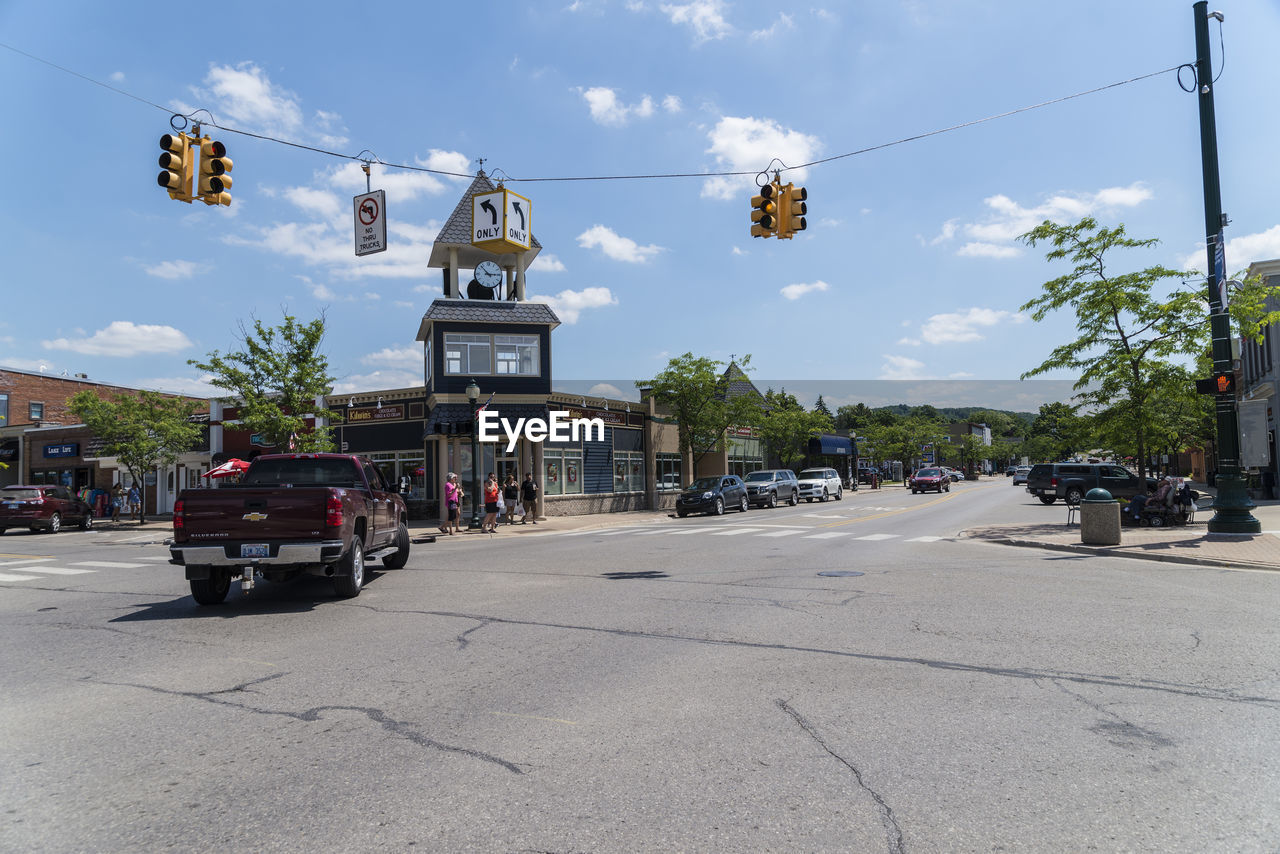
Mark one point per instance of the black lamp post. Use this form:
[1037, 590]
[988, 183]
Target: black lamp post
[473, 397]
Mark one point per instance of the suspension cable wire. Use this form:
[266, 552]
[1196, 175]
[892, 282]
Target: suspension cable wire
[638, 177]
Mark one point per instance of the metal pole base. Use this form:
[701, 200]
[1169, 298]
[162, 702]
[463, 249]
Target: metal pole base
[1231, 508]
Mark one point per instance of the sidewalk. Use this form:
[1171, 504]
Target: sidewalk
[1191, 544]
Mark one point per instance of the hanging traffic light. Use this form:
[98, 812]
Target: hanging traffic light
[214, 166]
[764, 214]
[793, 209]
[175, 163]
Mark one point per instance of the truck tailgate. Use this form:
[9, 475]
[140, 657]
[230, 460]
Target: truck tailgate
[251, 514]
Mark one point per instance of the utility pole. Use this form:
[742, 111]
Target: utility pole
[1232, 505]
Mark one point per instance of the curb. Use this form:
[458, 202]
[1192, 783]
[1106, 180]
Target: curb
[1107, 551]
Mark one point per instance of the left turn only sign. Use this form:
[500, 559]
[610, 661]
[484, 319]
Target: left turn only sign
[371, 222]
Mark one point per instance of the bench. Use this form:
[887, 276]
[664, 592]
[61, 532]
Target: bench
[1072, 511]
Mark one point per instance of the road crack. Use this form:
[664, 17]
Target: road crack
[893, 833]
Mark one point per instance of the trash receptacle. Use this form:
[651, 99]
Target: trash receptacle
[1099, 519]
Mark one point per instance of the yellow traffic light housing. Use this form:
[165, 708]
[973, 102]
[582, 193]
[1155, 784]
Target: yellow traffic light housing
[793, 208]
[214, 166]
[764, 213]
[176, 163]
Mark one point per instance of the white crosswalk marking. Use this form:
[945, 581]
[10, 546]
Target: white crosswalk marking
[615, 533]
[26, 560]
[781, 533]
[109, 564]
[729, 532]
[925, 539]
[829, 535]
[156, 558]
[56, 570]
[878, 537]
[4, 576]
[651, 531]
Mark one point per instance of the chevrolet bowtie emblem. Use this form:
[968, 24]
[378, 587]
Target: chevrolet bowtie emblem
[254, 517]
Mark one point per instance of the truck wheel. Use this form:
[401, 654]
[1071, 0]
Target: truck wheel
[401, 557]
[1048, 499]
[351, 568]
[794, 499]
[773, 500]
[1074, 495]
[212, 590]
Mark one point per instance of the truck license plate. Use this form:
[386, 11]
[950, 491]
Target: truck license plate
[254, 550]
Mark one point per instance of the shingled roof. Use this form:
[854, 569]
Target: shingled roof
[487, 312]
[457, 229]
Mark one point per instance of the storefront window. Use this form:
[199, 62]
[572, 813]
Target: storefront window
[745, 456]
[4, 410]
[401, 464]
[668, 472]
[628, 471]
[562, 472]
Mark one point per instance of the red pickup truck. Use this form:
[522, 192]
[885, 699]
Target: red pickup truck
[318, 514]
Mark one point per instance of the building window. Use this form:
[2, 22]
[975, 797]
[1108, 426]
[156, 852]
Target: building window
[516, 354]
[426, 361]
[628, 471]
[466, 354]
[35, 411]
[668, 472]
[4, 410]
[562, 472]
[745, 455]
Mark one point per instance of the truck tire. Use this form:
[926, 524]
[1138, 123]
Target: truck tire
[350, 579]
[794, 499]
[1048, 499]
[1073, 495]
[773, 500]
[401, 557]
[212, 590]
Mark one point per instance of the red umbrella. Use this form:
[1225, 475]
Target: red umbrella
[227, 469]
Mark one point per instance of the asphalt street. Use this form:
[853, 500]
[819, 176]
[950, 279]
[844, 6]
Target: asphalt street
[685, 684]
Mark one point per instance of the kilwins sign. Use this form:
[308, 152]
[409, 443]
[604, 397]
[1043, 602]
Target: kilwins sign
[370, 414]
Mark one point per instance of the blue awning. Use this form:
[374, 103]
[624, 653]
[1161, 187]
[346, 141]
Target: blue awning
[829, 445]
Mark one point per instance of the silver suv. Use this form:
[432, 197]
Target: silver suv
[765, 488]
[820, 484]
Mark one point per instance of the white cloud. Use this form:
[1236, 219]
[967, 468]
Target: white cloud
[172, 270]
[615, 246]
[568, 304]
[784, 22]
[1241, 251]
[962, 327]
[117, 77]
[353, 383]
[901, 368]
[909, 342]
[737, 251]
[606, 109]
[672, 104]
[794, 292]
[705, 17]
[243, 96]
[993, 236]
[124, 338]
[546, 263]
[405, 358]
[320, 203]
[192, 386]
[746, 144]
[605, 390]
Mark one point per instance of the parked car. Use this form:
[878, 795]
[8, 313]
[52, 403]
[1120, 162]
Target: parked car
[712, 495]
[930, 478]
[42, 508]
[821, 484]
[1020, 474]
[1010, 470]
[955, 474]
[1072, 481]
[766, 487]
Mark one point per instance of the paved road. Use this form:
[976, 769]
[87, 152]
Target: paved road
[692, 684]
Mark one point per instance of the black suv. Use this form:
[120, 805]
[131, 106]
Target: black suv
[769, 486]
[712, 495]
[1072, 481]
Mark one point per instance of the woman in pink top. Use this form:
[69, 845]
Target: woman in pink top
[452, 500]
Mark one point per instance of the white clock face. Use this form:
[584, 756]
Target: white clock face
[488, 274]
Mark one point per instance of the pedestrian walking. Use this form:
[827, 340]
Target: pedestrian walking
[511, 497]
[117, 502]
[492, 493]
[452, 501]
[529, 498]
[135, 503]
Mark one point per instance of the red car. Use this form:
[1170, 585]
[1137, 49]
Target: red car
[42, 508]
[931, 478]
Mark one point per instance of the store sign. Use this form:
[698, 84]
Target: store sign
[69, 449]
[259, 440]
[611, 417]
[371, 413]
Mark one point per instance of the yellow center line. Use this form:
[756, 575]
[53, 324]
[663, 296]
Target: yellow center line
[945, 497]
[28, 557]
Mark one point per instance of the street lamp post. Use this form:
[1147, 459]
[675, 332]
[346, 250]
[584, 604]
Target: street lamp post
[473, 397]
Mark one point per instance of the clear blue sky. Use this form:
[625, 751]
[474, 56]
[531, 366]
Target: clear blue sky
[909, 270]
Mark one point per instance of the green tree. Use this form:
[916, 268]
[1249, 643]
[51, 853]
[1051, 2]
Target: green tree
[705, 400]
[1126, 334]
[821, 407]
[275, 380]
[1062, 430]
[144, 432]
[787, 426]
